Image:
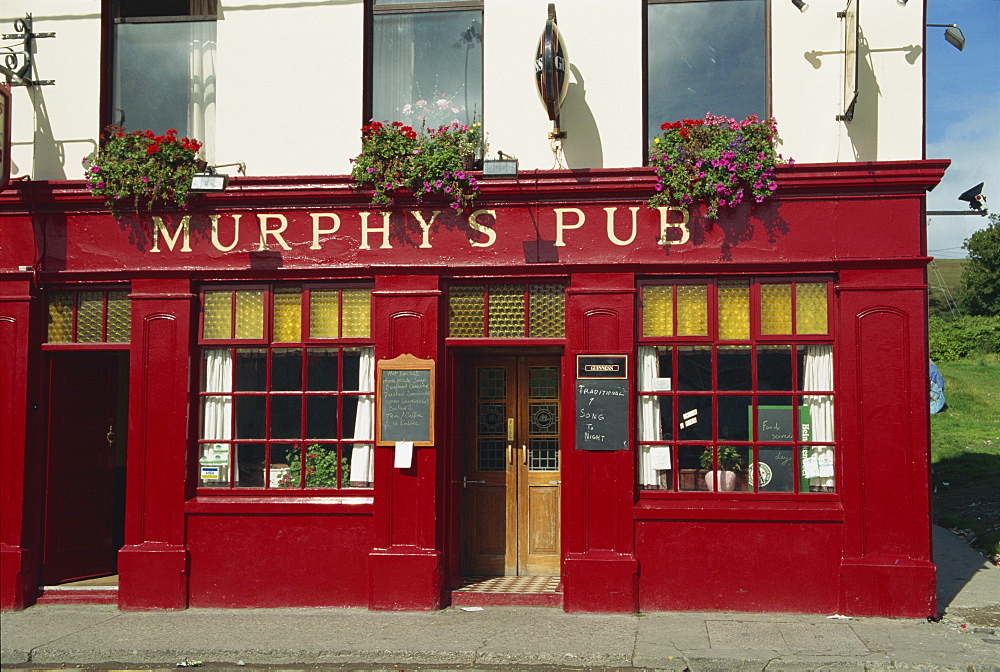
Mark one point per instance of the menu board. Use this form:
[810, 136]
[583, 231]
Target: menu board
[404, 388]
[602, 409]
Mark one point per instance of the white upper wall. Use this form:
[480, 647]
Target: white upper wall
[290, 84]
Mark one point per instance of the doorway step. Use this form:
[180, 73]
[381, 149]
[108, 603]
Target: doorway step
[520, 591]
[102, 590]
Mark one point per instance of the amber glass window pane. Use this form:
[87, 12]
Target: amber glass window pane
[547, 311]
[811, 308]
[506, 311]
[357, 313]
[60, 317]
[692, 310]
[776, 308]
[89, 314]
[658, 310]
[734, 310]
[466, 304]
[324, 317]
[217, 313]
[250, 314]
[119, 328]
[287, 315]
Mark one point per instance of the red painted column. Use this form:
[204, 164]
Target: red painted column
[405, 562]
[600, 571]
[153, 564]
[20, 450]
[887, 569]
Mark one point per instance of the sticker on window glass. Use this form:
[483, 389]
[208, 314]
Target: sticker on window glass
[659, 457]
[210, 473]
[689, 418]
[662, 384]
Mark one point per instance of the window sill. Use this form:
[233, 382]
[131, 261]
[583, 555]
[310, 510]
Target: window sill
[259, 504]
[682, 506]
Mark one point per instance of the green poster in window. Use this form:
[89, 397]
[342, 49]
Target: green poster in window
[776, 464]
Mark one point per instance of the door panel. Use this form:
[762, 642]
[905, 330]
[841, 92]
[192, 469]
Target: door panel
[512, 467]
[80, 503]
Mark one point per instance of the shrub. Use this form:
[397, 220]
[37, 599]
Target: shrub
[963, 337]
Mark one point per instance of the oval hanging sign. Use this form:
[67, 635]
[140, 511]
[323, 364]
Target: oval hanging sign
[551, 67]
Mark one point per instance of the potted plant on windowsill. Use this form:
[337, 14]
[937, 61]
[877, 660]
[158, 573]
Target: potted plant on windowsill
[140, 168]
[395, 158]
[717, 160]
[731, 465]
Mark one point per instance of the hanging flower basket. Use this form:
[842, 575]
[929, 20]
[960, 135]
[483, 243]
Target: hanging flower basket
[141, 169]
[717, 160]
[395, 158]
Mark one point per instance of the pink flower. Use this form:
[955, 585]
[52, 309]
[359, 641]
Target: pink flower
[443, 104]
[407, 109]
[420, 103]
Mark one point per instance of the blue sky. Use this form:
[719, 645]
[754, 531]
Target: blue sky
[963, 117]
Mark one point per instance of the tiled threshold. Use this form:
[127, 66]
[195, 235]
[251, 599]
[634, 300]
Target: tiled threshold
[524, 591]
[102, 590]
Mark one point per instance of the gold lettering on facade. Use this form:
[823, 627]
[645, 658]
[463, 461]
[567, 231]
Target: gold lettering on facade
[365, 230]
[611, 226]
[560, 226]
[160, 228]
[476, 226]
[682, 225]
[425, 226]
[274, 233]
[316, 230]
[215, 232]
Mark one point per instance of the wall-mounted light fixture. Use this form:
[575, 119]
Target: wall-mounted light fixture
[800, 5]
[953, 34]
[208, 181]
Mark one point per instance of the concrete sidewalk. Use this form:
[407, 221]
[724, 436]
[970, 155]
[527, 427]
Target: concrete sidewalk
[51, 635]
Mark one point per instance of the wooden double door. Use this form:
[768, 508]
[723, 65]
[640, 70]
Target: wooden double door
[512, 460]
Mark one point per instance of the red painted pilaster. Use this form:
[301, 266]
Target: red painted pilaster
[405, 563]
[19, 449]
[600, 571]
[153, 564]
[887, 569]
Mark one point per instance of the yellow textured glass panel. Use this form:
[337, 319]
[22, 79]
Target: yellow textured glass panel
[324, 313]
[287, 315]
[547, 311]
[811, 308]
[658, 310]
[465, 311]
[734, 310]
[217, 315]
[250, 313]
[357, 313]
[506, 309]
[692, 310]
[60, 317]
[776, 308]
[89, 317]
[119, 317]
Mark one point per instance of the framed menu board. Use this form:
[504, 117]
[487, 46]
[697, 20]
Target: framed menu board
[404, 393]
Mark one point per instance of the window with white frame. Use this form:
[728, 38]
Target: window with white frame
[426, 62]
[704, 56]
[163, 67]
[736, 388]
[287, 388]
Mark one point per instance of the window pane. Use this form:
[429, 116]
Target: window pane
[658, 310]
[251, 413]
[775, 308]
[775, 469]
[286, 417]
[774, 368]
[546, 318]
[734, 418]
[250, 314]
[466, 306]
[287, 315]
[694, 368]
[506, 309]
[89, 312]
[427, 67]
[694, 421]
[816, 463]
[119, 318]
[357, 313]
[321, 417]
[321, 374]
[324, 318]
[251, 370]
[705, 57]
[60, 317]
[734, 310]
[217, 315]
[286, 370]
[250, 465]
[692, 310]
[735, 368]
[689, 463]
[811, 308]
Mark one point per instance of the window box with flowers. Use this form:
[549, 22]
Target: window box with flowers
[395, 158]
[717, 160]
[140, 168]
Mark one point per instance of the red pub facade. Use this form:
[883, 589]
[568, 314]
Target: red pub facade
[200, 401]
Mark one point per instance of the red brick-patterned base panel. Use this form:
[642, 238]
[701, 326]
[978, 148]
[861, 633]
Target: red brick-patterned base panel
[525, 591]
[78, 596]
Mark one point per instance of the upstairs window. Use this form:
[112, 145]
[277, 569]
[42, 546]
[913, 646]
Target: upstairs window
[163, 67]
[704, 56]
[426, 62]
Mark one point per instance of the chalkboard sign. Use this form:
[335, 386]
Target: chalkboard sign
[776, 468]
[404, 388]
[601, 414]
[774, 423]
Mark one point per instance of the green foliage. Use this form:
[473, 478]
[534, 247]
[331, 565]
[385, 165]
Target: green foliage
[144, 168]
[951, 340]
[321, 468]
[730, 459]
[718, 160]
[396, 158]
[979, 293]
